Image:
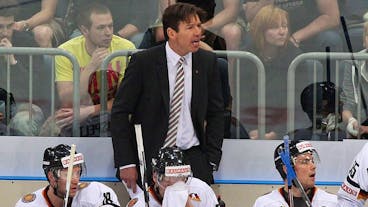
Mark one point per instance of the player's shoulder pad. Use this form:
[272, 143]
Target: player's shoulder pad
[30, 197]
[132, 202]
[83, 185]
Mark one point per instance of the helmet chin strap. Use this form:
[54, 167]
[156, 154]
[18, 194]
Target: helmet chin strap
[56, 191]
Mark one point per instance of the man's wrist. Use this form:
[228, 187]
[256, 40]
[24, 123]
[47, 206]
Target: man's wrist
[26, 26]
[295, 41]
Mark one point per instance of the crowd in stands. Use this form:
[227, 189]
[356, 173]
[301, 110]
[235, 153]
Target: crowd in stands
[180, 91]
[275, 31]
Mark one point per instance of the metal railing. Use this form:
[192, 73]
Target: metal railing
[48, 51]
[317, 56]
[229, 54]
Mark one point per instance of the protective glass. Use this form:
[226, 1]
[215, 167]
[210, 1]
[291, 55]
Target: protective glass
[307, 158]
[76, 173]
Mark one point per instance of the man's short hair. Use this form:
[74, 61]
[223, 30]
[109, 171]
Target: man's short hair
[180, 12]
[8, 8]
[84, 13]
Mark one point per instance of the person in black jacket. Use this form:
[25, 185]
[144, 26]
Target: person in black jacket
[146, 91]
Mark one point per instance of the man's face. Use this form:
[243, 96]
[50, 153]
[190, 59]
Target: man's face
[101, 31]
[162, 182]
[62, 178]
[305, 169]
[188, 36]
[6, 27]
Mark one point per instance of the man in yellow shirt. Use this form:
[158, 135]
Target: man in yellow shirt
[97, 41]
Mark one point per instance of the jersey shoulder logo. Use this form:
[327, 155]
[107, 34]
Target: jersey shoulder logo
[29, 198]
[194, 197]
[132, 202]
[83, 185]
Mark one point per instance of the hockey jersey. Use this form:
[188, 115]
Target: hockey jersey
[275, 199]
[354, 190]
[92, 194]
[200, 195]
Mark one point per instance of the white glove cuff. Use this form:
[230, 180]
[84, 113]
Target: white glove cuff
[352, 120]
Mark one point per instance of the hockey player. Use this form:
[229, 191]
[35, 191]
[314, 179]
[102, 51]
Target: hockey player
[354, 190]
[55, 166]
[303, 158]
[173, 184]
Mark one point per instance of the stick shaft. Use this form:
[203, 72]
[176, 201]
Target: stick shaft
[142, 160]
[69, 175]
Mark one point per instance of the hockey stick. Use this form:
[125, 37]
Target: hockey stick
[69, 175]
[291, 176]
[142, 161]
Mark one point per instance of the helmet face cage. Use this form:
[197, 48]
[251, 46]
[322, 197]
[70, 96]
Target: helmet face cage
[170, 166]
[296, 148]
[57, 158]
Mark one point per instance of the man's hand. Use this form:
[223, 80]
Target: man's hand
[98, 56]
[363, 130]
[130, 175]
[19, 26]
[64, 116]
[7, 44]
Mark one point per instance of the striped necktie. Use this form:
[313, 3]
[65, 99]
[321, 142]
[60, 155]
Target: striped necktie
[175, 106]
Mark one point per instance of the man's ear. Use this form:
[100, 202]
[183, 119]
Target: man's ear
[171, 33]
[51, 178]
[154, 177]
[84, 30]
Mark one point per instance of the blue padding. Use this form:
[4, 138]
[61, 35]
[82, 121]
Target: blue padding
[270, 182]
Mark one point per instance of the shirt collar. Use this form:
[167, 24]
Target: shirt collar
[173, 57]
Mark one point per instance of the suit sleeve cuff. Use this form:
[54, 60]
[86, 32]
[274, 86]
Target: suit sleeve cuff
[126, 166]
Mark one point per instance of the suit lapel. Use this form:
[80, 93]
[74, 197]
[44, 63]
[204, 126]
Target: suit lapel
[196, 77]
[162, 74]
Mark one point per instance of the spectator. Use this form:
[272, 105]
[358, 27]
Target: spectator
[147, 89]
[131, 17]
[176, 188]
[80, 194]
[7, 109]
[318, 102]
[313, 23]
[353, 191]
[350, 95]
[38, 17]
[303, 159]
[270, 32]
[97, 42]
[13, 65]
[354, 11]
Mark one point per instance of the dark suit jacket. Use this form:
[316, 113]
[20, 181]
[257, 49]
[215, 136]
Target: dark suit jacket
[143, 98]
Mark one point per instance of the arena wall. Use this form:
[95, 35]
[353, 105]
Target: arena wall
[246, 171]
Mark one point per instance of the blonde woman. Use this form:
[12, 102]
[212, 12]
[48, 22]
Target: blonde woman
[269, 30]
